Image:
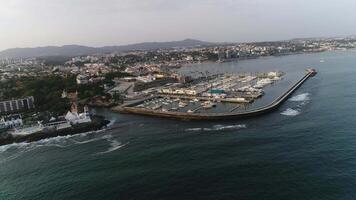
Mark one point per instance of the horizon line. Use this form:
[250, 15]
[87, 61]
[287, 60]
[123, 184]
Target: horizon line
[225, 42]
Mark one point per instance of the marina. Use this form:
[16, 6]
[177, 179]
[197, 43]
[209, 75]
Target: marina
[209, 106]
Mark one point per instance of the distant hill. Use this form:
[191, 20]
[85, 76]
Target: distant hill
[77, 50]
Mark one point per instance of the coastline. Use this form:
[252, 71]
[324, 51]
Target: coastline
[97, 124]
[112, 106]
[269, 56]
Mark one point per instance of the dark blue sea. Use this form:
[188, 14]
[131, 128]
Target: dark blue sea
[306, 149]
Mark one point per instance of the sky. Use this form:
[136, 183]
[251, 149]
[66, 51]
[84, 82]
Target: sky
[32, 23]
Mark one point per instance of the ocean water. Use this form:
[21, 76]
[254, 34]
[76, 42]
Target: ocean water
[306, 149]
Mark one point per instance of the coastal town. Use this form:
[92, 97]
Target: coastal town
[37, 89]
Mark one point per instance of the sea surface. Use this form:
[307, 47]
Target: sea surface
[306, 149]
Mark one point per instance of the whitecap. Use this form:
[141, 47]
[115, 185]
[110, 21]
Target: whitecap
[229, 127]
[111, 123]
[218, 128]
[7, 147]
[86, 141]
[107, 137]
[114, 145]
[300, 97]
[59, 142]
[290, 112]
[194, 129]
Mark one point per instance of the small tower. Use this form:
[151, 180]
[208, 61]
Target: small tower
[86, 111]
[74, 108]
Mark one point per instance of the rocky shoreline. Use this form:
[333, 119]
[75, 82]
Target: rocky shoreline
[98, 122]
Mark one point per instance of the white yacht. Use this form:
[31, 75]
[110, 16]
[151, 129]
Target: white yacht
[208, 104]
[182, 104]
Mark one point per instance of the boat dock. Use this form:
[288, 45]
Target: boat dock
[227, 100]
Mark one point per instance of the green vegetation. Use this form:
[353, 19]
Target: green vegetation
[112, 75]
[109, 77]
[54, 60]
[212, 56]
[47, 91]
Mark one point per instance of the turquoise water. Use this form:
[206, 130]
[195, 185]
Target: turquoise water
[304, 150]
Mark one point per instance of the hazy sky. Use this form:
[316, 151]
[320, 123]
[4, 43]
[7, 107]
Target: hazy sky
[30, 23]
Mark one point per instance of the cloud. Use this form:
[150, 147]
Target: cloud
[110, 22]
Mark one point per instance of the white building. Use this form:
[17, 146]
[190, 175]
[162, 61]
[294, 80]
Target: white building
[11, 121]
[82, 79]
[15, 105]
[146, 79]
[273, 74]
[77, 118]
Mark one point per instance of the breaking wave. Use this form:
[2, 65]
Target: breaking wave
[50, 142]
[296, 110]
[20, 148]
[230, 127]
[300, 97]
[218, 128]
[86, 141]
[13, 146]
[194, 129]
[59, 142]
[290, 112]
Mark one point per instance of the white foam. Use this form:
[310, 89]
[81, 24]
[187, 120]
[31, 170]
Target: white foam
[194, 129]
[111, 123]
[300, 97]
[290, 112]
[59, 142]
[5, 148]
[32, 145]
[114, 144]
[86, 141]
[107, 137]
[229, 127]
[218, 128]
[23, 147]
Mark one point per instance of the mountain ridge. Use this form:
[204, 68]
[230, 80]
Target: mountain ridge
[79, 50]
